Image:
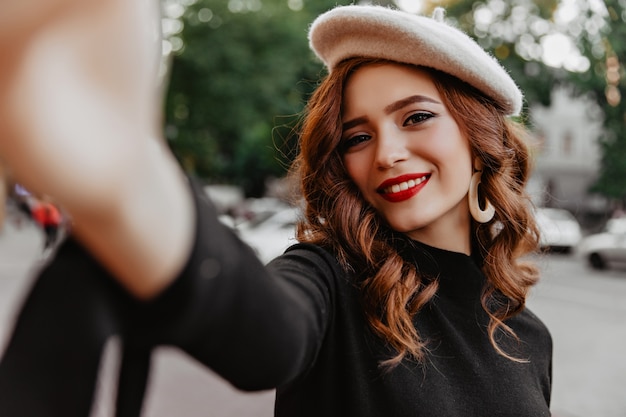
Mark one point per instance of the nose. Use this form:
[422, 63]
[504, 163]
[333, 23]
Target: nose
[391, 149]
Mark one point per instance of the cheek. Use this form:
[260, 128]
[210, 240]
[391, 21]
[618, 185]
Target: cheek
[461, 170]
[357, 169]
[455, 150]
[460, 159]
[454, 157]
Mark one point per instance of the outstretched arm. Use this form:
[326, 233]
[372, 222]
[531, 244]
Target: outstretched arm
[79, 120]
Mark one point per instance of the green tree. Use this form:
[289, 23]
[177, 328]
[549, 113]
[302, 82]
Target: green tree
[237, 87]
[514, 32]
[608, 83]
[505, 29]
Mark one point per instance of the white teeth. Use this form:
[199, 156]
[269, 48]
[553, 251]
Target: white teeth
[396, 188]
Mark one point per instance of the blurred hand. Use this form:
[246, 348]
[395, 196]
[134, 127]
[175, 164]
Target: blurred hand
[79, 94]
[80, 121]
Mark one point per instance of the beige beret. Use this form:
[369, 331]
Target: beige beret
[381, 32]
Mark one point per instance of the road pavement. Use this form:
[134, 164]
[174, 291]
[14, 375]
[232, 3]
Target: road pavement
[585, 311]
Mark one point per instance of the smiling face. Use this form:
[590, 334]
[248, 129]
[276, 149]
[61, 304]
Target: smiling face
[407, 155]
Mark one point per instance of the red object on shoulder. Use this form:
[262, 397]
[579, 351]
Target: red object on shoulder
[46, 214]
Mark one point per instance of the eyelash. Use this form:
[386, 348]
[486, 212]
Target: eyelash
[422, 116]
[351, 141]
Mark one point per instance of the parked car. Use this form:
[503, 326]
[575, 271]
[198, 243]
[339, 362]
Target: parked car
[606, 249]
[270, 234]
[559, 230]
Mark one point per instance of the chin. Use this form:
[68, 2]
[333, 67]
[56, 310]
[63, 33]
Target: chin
[406, 228]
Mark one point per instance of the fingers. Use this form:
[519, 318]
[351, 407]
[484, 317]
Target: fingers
[79, 111]
[80, 96]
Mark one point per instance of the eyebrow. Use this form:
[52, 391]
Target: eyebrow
[396, 105]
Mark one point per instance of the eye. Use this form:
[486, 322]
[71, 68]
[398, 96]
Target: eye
[417, 118]
[353, 141]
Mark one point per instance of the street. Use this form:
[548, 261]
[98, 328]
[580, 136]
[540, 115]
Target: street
[585, 310]
[586, 313]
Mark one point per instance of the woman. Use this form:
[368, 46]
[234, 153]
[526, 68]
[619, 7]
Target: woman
[405, 295]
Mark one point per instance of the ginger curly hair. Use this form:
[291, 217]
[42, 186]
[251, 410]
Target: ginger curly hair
[337, 217]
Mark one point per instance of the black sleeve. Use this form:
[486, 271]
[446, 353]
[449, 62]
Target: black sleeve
[257, 326]
[50, 365]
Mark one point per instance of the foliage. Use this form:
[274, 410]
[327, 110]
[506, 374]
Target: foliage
[609, 86]
[515, 28]
[237, 87]
[504, 37]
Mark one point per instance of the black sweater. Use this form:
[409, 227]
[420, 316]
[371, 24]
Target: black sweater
[295, 324]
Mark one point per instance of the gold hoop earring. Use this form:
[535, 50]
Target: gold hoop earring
[480, 215]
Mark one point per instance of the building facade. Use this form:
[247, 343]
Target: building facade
[567, 153]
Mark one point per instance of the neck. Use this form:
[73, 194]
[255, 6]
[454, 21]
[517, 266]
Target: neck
[452, 234]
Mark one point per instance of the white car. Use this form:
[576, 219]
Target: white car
[559, 230]
[606, 249]
[271, 234]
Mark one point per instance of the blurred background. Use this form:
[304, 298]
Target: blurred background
[236, 75]
[240, 72]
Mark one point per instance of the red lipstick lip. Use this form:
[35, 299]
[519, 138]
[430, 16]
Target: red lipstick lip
[405, 194]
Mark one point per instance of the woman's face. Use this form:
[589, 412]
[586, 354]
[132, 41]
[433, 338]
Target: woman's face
[407, 155]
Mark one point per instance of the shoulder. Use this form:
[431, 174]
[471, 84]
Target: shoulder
[531, 329]
[312, 251]
[315, 268]
[307, 256]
